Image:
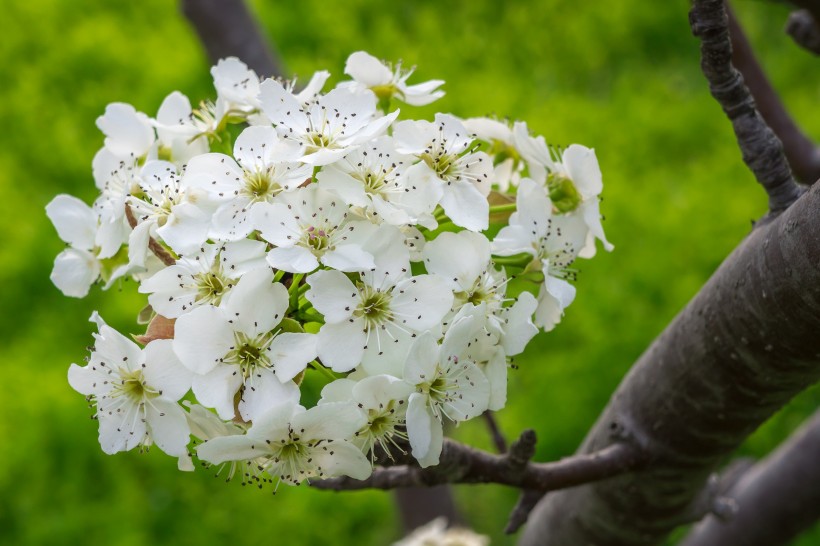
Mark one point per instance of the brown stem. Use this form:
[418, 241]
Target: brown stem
[776, 499]
[227, 29]
[158, 250]
[464, 464]
[761, 149]
[499, 441]
[801, 152]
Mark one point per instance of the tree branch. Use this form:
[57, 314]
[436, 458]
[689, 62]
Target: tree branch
[776, 499]
[466, 465]
[802, 154]
[762, 151]
[740, 350]
[803, 29]
[158, 250]
[499, 441]
[227, 29]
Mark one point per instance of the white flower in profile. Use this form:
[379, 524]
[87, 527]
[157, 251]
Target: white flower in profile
[264, 167]
[166, 208]
[237, 87]
[371, 179]
[292, 444]
[78, 267]
[387, 82]
[372, 322]
[573, 181]
[128, 133]
[203, 277]
[437, 533]
[447, 386]
[328, 127]
[180, 135]
[383, 400]
[463, 177]
[508, 164]
[136, 393]
[241, 346]
[309, 226]
[553, 240]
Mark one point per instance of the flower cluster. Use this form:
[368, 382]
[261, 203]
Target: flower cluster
[332, 284]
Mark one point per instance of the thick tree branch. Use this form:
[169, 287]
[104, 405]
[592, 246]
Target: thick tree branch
[741, 349]
[227, 29]
[466, 465]
[801, 152]
[776, 499]
[803, 29]
[158, 250]
[762, 151]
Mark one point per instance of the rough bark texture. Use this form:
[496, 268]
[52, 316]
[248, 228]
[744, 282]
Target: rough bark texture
[776, 499]
[761, 149]
[800, 150]
[227, 29]
[744, 346]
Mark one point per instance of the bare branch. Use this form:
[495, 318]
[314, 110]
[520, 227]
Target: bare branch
[812, 6]
[776, 499]
[495, 431]
[801, 152]
[521, 512]
[739, 351]
[803, 29]
[158, 250]
[762, 151]
[226, 28]
[463, 464]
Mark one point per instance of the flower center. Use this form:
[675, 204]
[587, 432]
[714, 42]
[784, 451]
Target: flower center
[317, 240]
[249, 352]
[374, 306]
[563, 194]
[211, 286]
[132, 385]
[316, 141]
[260, 185]
[374, 183]
[443, 164]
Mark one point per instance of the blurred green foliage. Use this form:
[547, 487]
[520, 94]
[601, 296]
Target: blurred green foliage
[621, 77]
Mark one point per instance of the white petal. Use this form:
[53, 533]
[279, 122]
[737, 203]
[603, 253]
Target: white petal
[332, 294]
[127, 131]
[424, 430]
[518, 327]
[75, 221]
[87, 380]
[496, 372]
[421, 302]
[276, 224]
[347, 460]
[257, 304]
[340, 346]
[422, 360]
[555, 295]
[74, 272]
[217, 389]
[121, 432]
[229, 448]
[291, 352]
[582, 167]
[295, 259]
[459, 258]
[167, 426]
[367, 69]
[465, 205]
[348, 258]
[338, 421]
[201, 338]
[263, 392]
[163, 370]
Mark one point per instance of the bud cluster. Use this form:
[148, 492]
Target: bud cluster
[331, 283]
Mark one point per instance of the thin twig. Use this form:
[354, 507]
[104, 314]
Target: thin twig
[158, 250]
[227, 29]
[761, 149]
[803, 29]
[801, 152]
[499, 441]
[466, 465]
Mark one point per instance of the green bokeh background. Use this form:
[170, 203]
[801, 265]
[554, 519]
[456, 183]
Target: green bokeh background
[621, 77]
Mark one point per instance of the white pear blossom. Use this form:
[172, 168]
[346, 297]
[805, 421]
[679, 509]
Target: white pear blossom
[437, 533]
[180, 135]
[327, 128]
[264, 167]
[463, 177]
[203, 277]
[447, 386]
[383, 400]
[309, 226]
[507, 162]
[242, 346]
[128, 133]
[372, 179]
[387, 82]
[374, 324]
[136, 393]
[292, 444]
